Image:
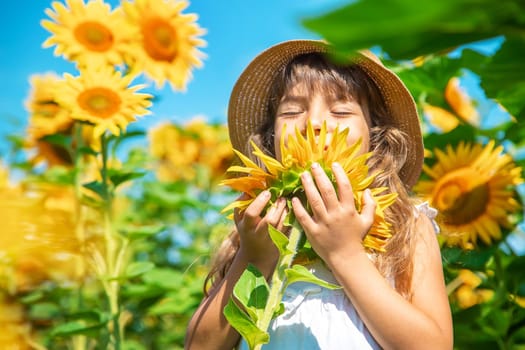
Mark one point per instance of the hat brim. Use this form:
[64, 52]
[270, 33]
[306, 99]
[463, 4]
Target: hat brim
[248, 104]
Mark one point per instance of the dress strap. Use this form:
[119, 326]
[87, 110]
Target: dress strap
[430, 212]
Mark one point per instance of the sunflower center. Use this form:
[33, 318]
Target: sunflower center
[461, 196]
[160, 39]
[94, 35]
[47, 108]
[99, 101]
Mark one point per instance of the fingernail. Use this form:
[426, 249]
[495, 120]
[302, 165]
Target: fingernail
[306, 175]
[315, 165]
[336, 165]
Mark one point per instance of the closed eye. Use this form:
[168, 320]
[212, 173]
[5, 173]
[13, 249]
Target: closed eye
[290, 113]
[341, 113]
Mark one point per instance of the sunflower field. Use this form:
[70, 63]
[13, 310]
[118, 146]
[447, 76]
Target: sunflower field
[108, 230]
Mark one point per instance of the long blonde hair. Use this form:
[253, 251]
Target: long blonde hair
[389, 147]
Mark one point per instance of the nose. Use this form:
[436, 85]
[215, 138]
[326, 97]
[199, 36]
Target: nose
[317, 123]
[316, 117]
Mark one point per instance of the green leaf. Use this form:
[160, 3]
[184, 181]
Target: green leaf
[279, 311]
[171, 195]
[244, 325]
[130, 344]
[44, 311]
[123, 137]
[251, 290]
[142, 291]
[118, 177]
[515, 273]
[135, 232]
[58, 139]
[96, 187]
[280, 240]
[87, 150]
[32, 297]
[138, 268]
[299, 273]
[76, 327]
[464, 132]
[165, 278]
[177, 303]
[498, 322]
[407, 29]
[503, 78]
[469, 259]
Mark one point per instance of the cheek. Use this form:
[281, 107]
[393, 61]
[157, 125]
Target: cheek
[365, 139]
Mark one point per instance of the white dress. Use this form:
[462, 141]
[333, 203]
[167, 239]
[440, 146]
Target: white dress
[320, 318]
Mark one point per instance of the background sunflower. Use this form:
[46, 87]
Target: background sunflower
[167, 41]
[102, 97]
[88, 33]
[472, 186]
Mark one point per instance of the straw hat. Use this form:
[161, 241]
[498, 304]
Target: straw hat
[248, 104]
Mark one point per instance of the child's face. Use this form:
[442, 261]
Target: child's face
[298, 106]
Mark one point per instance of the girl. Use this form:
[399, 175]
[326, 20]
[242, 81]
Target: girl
[391, 300]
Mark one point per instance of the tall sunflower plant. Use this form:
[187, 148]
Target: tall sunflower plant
[255, 302]
[110, 47]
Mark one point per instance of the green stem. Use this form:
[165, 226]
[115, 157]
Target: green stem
[79, 341]
[277, 285]
[112, 288]
[80, 234]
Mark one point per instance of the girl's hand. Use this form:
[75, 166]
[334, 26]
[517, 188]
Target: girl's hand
[335, 228]
[256, 245]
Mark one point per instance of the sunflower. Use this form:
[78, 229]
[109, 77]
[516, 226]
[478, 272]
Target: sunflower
[215, 148]
[282, 178]
[176, 151]
[46, 116]
[167, 41]
[180, 149]
[472, 187]
[49, 153]
[466, 291]
[101, 96]
[90, 34]
[38, 240]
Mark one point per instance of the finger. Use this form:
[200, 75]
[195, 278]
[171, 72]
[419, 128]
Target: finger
[303, 217]
[237, 213]
[325, 186]
[274, 214]
[254, 210]
[369, 208]
[280, 225]
[312, 195]
[344, 187]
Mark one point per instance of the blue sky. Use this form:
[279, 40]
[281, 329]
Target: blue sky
[236, 31]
